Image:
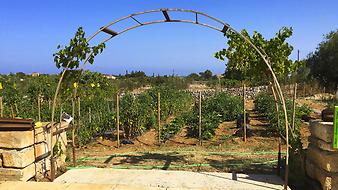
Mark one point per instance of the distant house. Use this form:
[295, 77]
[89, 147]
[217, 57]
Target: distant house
[110, 77]
[35, 74]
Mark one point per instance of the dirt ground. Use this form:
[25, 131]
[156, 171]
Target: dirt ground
[225, 152]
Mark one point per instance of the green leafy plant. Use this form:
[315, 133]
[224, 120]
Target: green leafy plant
[216, 109]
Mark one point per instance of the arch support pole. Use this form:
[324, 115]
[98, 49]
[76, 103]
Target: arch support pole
[223, 30]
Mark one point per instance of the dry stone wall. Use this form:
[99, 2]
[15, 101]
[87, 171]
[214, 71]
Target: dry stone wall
[322, 159]
[26, 154]
[250, 92]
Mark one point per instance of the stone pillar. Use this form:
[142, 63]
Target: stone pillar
[26, 154]
[321, 158]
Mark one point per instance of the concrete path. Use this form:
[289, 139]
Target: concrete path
[150, 179]
[11, 185]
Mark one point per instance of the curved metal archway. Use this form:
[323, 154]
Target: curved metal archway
[167, 19]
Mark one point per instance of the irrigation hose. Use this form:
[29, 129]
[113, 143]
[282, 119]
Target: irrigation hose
[178, 152]
[179, 166]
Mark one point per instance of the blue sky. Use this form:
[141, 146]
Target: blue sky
[31, 30]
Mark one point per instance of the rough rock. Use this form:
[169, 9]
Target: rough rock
[325, 160]
[24, 157]
[321, 144]
[322, 130]
[13, 174]
[42, 167]
[328, 181]
[16, 139]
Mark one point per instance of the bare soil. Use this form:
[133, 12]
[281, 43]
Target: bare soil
[222, 153]
[225, 152]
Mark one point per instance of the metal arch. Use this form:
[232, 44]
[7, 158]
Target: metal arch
[225, 28]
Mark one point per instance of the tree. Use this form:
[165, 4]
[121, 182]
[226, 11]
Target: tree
[245, 62]
[193, 76]
[69, 57]
[207, 74]
[323, 63]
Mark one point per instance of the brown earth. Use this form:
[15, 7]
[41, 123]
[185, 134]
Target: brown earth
[225, 152]
[183, 150]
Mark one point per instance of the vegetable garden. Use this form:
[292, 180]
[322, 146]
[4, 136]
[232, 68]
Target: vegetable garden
[107, 110]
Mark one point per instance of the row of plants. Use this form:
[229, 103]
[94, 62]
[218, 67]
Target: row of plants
[215, 109]
[139, 113]
[265, 104]
[98, 105]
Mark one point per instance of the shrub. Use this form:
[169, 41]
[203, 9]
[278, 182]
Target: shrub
[216, 109]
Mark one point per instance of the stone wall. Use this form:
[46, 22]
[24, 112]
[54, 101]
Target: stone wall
[250, 92]
[321, 158]
[26, 154]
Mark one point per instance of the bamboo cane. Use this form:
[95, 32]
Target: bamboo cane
[200, 118]
[244, 114]
[159, 116]
[294, 106]
[1, 107]
[118, 119]
[73, 131]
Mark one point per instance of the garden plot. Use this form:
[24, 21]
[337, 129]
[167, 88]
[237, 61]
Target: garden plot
[223, 153]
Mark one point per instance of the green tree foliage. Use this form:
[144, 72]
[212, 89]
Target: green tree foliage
[193, 76]
[77, 51]
[206, 75]
[245, 62]
[323, 63]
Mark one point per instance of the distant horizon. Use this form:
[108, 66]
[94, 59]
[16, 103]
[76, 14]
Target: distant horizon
[31, 31]
[122, 74]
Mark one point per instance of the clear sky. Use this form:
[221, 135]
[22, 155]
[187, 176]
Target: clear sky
[31, 30]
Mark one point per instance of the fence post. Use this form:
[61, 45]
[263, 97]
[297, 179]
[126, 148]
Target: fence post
[90, 114]
[108, 106]
[244, 113]
[294, 106]
[118, 119]
[12, 111]
[49, 104]
[73, 131]
[79, 113]
[159, 116]
[1, 107]
[279, 158]
[39, 108]
[200, 118]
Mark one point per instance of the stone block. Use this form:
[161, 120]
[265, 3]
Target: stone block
[42, 134]
[16, 139]
[14, 174]
[24, 157]
[22, 139]
[42, 167]
[322, 130]
[321, 144]
[325, 160]
[328, 181]
[18, 159]
[41, 150]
